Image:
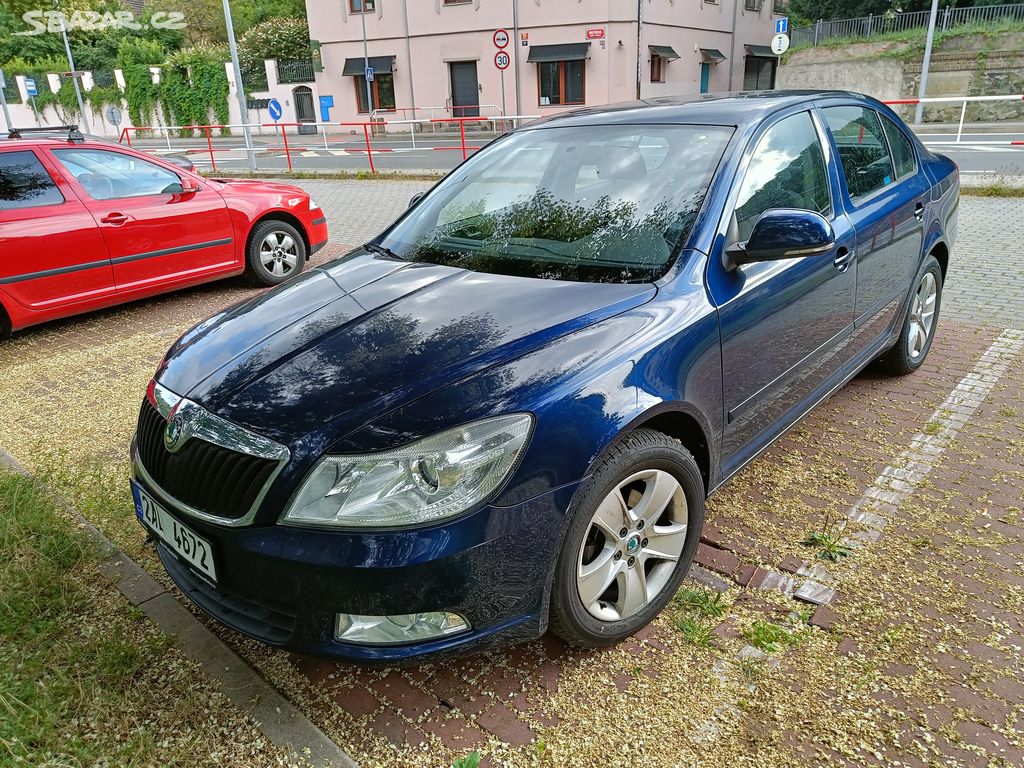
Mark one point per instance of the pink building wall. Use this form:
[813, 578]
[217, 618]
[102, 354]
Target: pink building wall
[425, 36]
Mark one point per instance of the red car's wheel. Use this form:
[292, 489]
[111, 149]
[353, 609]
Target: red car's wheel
[276, 252]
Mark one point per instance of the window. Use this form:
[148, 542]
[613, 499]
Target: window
[752, 5]
[24, 183]
[862, 150]
[657, 68]
[607, 203]
[562, 82]
[382, 89]
[759, 73]
[901, 148]
[787, 170]
[780, 7]
[361, 6]
[108, 175]
[456, 2]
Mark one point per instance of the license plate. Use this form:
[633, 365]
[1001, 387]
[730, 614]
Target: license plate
[188, 544]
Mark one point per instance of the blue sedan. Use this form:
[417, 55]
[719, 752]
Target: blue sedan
[503, 415]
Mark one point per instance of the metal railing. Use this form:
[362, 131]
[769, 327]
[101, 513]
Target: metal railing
[103, 78]
[295, 71]
[873, 26]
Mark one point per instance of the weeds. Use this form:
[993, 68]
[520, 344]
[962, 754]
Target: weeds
[472, 760]
[698, 610]
[828, 540]
[769, 637]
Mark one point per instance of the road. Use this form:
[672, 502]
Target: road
[982, 153]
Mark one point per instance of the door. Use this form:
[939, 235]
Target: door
[155, 233]
[304, 111]
[53, 252]
[705, 76]
[465, 89]
[886, 199]
[785, 325]
[759, 73]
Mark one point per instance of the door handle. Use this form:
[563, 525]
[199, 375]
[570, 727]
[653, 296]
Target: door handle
[843, 260]
[117, 219]
[919, 211]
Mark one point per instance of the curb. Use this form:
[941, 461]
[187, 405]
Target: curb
[285, 726]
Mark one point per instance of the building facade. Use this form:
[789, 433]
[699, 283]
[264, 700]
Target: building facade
[437, 58]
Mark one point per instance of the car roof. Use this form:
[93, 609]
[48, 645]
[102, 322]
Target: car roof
[734, 108]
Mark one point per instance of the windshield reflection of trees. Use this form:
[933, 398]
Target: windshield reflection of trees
[556, 239]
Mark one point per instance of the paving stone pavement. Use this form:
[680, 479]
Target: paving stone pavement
[916, 658]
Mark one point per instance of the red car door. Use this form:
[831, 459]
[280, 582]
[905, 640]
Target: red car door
[53, 252]
[156, 233]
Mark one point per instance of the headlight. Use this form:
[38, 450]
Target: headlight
[312, 205]
[426, 481]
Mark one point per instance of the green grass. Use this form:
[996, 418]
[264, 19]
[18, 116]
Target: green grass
[696, 612]
[769, 637]
[85, 679]
[472, 760]
[993, 190]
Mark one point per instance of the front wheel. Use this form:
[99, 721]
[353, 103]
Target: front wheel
[276, 251]
[918, 331]
[634, 530]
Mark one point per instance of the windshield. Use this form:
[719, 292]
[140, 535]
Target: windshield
[593, 204]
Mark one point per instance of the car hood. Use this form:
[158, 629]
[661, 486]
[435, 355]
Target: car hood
[249, 186]
[351, 340]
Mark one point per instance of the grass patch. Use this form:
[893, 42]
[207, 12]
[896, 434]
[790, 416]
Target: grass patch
[85, 679]
[769, 637]
[696, 612]
[360, 174]
[993, 190]
[828, 541]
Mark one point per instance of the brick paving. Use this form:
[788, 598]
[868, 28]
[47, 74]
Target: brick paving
[916, 657]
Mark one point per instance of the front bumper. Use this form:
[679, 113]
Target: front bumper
[284, 585]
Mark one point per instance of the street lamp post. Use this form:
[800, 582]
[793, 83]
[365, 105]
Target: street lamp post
[71, 66]
[924, 64]
[243, 109]
[366, 60]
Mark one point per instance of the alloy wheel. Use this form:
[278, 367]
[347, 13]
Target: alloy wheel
[632, 545]
[279, 254]
[922, 315]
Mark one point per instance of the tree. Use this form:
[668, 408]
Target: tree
[273, 39]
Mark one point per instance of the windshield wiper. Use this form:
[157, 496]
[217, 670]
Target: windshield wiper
[380, 250]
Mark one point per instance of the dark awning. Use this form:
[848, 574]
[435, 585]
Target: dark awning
[561, 52]
[712, 55]
[665, 51]
[760, 50]
[382, 65]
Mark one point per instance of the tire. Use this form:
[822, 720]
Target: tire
[635, 471]
[918, 328]
[275, 252]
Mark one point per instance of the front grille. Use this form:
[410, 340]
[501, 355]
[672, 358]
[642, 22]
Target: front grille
[205, 476]
[270, 622]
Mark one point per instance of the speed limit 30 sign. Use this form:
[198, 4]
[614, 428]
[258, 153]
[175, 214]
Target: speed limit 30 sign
[502, 60]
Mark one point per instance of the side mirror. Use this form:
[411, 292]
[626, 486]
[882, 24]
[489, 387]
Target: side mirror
[416, 198]
[189, 185]
[783, 233]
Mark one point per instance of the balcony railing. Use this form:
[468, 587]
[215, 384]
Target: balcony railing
[873, 26]
[295, 71]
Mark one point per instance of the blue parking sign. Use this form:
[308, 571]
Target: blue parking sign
[782, 26]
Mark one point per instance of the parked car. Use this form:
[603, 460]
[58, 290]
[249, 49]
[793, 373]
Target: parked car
[86, 224]
[504, 414]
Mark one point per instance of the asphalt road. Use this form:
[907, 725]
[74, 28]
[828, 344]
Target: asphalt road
[983, 153]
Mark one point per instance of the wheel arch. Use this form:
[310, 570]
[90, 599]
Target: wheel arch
[277, 215]
[940, 251]
[6, 324]
[683, 423]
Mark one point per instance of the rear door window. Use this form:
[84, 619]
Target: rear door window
[863, 151]
[24, 182]
[108, 175]
[902, 151]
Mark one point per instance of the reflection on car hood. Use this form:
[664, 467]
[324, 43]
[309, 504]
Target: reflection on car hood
[355, 338]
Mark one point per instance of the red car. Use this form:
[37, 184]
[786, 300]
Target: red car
[86, 224]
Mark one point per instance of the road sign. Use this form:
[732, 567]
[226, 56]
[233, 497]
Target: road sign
[595, 34]
[368, 74]
[501, 38]
[502, 60]
[76, 73]
[275, 110]
[780, 44]
[30, 87]
[782, 26]
[113, 115]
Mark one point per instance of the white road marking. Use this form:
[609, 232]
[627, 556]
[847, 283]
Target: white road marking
[898, 481]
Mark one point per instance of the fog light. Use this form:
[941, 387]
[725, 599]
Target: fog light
[398, 629]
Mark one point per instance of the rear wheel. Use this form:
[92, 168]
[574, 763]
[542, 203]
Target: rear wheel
[276, 251]
[918, 331]
[634, 531]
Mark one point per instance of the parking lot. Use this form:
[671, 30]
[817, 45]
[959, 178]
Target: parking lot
[907, 649]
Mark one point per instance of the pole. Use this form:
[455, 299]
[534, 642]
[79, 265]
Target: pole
[366, 63]
[412, 88]
[639, 37]
[503, 110]
[927, 60]
[35, 111]
[71, 66]
[243, 109]
[732, 43]
[518, 45]
[3, 100]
